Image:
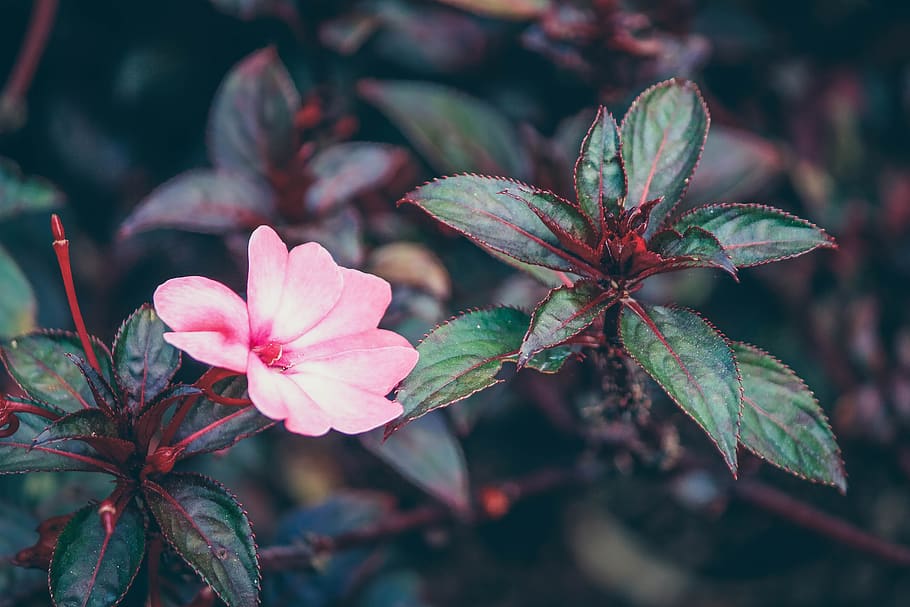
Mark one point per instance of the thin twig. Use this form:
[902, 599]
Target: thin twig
[493, 501]
[804, 515]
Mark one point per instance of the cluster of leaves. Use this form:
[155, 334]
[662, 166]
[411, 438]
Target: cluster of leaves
[125, 417]
[620, 231]
[265, 174]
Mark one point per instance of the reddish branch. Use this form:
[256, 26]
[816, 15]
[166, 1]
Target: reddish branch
[493, 502]
[804, 515]
[12, 98]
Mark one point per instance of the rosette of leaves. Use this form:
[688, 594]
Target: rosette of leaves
[620, 230]
[125, 417]
[264, 174]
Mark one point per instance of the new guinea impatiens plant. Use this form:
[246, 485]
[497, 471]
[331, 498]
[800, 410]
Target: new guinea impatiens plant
[620, 230]
[303, 348]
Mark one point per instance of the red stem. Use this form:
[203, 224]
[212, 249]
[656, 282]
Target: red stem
[39, 28]
[62, 249]
[204, 383]
[807, 516]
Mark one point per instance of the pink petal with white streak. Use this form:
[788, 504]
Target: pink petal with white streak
[268, 260]
[312, 286]
[350, 409]
[278, 397]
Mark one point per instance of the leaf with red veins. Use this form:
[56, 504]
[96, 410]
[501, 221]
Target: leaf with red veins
[564, 218]
[694, 365]
[600, 179]
[566, 312]
[696, 248]
[754, 234]
[663, 135]
[476, 207]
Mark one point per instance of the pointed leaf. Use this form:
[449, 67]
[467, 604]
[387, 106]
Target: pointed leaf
[692, 362]
[39, 364]
[207, 527]
[478, 208]
[600, 180]
[782, 422]
[455, 132]
[216, 427]
[566, 312]
[545, 276]
[18, 454]
[102, 393]
[251, 126]
[87, 422]
[17, 299]
[459, 358]
[210, 202]
[429, 455]
[575, 232]
[662, 138]
[92, 569]
[695, 248]
[19, 193]
[144, 363]
[754, 234]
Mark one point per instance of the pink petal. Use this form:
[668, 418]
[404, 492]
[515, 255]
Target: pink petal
[361, 306]
[312, 286]
[268, 260]
[374, 360]
[215, 314]
[211, 347]
[350, 409]
[278, 397]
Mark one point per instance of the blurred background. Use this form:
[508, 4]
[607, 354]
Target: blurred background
[810, 106]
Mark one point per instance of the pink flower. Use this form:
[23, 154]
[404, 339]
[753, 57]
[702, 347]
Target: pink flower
[306, 338]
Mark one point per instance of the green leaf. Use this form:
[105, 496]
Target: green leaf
[600, 180]
[545, 276]
[218, 427]
[459, 358]
[429, 455]
[205, 201]
[782, 422]
[662, 138]
[19, 194]
[92, 569]
[503, 9]
[39, 364]
[17, 300]
[18, 454]
[753, 234]
[566, 312]
[207, 527]
[562, 217]
[479, 208]
[455, 132]
[144, 363]
[251, 125]
[84, 423]
[694, 365]
[696, 248]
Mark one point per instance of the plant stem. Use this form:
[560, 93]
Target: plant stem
[62, 249]
[494, 501]
[20, 79]
[809, 517]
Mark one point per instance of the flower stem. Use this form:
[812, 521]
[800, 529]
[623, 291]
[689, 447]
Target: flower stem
[62, 249]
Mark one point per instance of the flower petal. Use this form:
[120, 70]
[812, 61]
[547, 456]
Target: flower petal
[312, 286]
[268, 260]
[211, 347]
[350, 409]
[362, 304]
[214, 317]
[374, 360]
[278, 397]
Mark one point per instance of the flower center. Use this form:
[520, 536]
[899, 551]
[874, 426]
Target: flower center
[269, 353]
